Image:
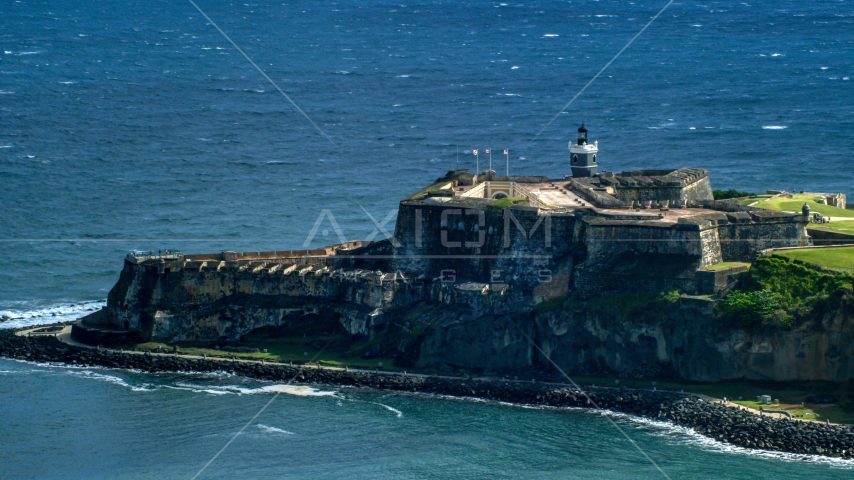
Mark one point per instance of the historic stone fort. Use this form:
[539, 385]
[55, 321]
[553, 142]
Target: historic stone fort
[482, 242]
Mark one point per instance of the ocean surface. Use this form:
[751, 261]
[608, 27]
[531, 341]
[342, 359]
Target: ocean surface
[138, 126]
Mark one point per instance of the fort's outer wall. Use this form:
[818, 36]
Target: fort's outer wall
[606, 239]
[685, 338]
[720, 237]
[700, 190]
[744, 242]
[192, 304]
[208, 304]
[481, 244]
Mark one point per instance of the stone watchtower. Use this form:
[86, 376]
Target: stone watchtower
[583, 155]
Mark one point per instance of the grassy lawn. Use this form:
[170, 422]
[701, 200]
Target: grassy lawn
[790, 395]
[844, 226]
[748, 201]
[506, 202]
[725, 266]
[841, 258]
[282, 349]
[797, 201]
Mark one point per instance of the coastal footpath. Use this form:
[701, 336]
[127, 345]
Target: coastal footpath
[710, 418]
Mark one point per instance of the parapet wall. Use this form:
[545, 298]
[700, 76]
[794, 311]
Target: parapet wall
[688, 185]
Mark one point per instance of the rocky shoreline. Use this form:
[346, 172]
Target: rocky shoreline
[715, 420]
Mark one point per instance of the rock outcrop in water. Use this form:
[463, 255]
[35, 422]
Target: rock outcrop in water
[721, 422]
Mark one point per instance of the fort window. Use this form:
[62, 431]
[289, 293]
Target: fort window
[575, 159]
[594, 158]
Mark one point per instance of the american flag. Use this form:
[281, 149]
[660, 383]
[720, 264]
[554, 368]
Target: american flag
[486, 151]
[506, 151]
[474, 151]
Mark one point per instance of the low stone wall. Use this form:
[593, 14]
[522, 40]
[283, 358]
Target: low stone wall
[712, 281]
[826, 237]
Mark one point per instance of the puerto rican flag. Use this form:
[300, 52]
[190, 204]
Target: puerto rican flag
[486, 151]
[474, 151]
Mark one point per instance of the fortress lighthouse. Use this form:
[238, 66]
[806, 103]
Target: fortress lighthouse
[583, 155]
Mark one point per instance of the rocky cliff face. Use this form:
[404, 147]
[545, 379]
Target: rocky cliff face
[686, 341]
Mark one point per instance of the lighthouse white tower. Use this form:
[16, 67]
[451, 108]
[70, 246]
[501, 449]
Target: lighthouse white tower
[583, 155]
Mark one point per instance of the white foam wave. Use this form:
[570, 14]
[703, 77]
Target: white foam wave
[774, 127]
[297, 390]
[687, 435]
[52, 314]
[397, 412]
[680, 434]
[110, 379]
[551, 35]
[273, 429]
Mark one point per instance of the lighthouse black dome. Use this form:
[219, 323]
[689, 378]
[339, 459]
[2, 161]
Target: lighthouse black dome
[582, 129]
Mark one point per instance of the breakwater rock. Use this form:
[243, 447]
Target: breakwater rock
[715, 420]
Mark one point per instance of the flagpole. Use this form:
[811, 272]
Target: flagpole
[507, 155]
[490, 159]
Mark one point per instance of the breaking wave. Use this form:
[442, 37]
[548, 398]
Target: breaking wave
[52, 314]
[274, 429]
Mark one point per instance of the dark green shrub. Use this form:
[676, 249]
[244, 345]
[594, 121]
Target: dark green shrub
[778, 292]
[731, 193]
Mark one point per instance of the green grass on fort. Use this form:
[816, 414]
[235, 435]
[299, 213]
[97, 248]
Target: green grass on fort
[841, 258]
[284, 350]
[725, 266]
[794, 204]
[844, 226]
[747, 201]
[506, 202]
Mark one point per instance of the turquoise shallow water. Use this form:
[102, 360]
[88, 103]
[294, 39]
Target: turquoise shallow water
[99, 423]
[135, 125]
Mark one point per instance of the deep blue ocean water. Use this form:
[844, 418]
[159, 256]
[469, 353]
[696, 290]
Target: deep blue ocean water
[136, 125]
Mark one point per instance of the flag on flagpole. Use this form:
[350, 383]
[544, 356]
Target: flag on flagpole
[474, 151]
[506, 152]
[486, 151]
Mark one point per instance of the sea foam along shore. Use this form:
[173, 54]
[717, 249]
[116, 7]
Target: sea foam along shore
[715, 420]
